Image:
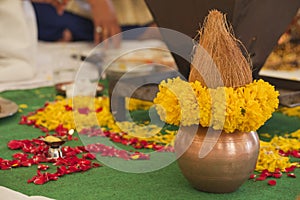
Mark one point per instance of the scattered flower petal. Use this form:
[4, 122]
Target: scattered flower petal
[42, 167]
[252, 176]
[272, 182]
[292, 175]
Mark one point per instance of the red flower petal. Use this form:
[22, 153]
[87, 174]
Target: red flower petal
[272, 182]
[266, 172]
[36, 159]
[68, 108]
[143, 143]
[296, 154]
[292, 175]
[85, 167]
[84, 111]
[290, 169]
[94, 165]
[278, 171]
[116, 138]
[73, 168]
[20, 156]
[89, 156]
[15, 144]
[277, 175]
[261, 178]
[45, 130]
[252, 176]
[5, 167]
[133, 140]
[61, 130]
[42, 167]
[15, 163]
[60, 161]
[52, 177]
[99, 110]
[80, 149]
[23, 120]
[84, 162]
[39, 180]
[31, 180]
[61, 171]
[27, 163]
[125, 141]
[138, 146]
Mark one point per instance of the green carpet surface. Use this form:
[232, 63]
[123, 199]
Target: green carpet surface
[108, 183]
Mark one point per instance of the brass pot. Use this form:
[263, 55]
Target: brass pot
[228, 163]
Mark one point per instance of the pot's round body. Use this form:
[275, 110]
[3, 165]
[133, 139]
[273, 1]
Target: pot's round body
[228, 164]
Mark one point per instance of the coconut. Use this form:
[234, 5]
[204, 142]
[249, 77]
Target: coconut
[218, 60]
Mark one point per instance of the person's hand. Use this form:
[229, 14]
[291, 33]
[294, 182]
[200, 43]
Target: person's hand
[58, 4]
[105, 21]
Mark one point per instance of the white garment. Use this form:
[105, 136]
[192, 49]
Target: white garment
[18, 40]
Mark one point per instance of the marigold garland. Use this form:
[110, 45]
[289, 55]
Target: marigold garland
[224, 108]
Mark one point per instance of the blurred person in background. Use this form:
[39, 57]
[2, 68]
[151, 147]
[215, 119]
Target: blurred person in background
[91, 20]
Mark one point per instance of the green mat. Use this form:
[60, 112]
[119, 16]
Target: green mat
[107, 183]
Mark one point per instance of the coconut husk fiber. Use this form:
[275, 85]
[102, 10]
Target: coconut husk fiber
[218, 60]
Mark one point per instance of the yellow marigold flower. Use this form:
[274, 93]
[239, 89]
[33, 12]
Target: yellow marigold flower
[296, 134]
[295, 111]
[137, 104]
[55, 113]
[86, 112]
[150, 133]
[269, 156]
[23, 106]
[265, 135]
[176, 102]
